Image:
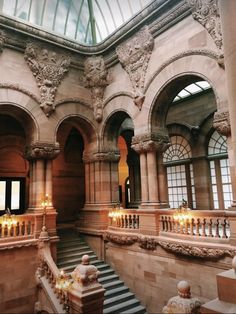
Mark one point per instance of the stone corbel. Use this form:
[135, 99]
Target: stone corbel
[41, 150]
[101, 156]
[2, 40]
[221, 123]
[207, 14]
[96, 79]
[134, 56]
[48, 69]
[150, 142]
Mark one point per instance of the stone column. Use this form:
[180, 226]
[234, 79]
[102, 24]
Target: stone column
[148, 145]
[40, 156]
[228, 23]
[162, 180]
[133, 163]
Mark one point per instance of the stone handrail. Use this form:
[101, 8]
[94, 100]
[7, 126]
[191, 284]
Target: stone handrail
[128, 219]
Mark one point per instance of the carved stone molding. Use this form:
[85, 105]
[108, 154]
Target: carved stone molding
[134, 56]
[150, 142]
[101, 156]
[2, 40]
[206, 12]
[196, 251]
[221, 123]
[48, 69]
[41, 150]
[96, 79]
[120, 239]
[19, 89]
[147, 243]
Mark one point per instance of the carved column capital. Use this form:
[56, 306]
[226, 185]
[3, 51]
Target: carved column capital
[150, 142]
[101, 156]
[96, 79]
[221, 123]
[134, 56]
[2, 40]
[207, 14]
[48, 68]
[41, 150]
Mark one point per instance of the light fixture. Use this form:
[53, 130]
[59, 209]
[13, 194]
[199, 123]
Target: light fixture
[46, 202]
[8, 219]
[115, 213]
[182, 214]
[63, 281]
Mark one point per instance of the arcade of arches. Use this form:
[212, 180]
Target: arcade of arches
[139, 122]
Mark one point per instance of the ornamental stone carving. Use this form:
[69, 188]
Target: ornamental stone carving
[134, 56]
[196, 251]
[221, 123]
[2, 40]
[41, 150]
[150, 142]
[183, 303]
[206, 12]
[85, 274]
[101, 156]
[96, 79]
[49, 69]
[147, 243]
[120, 239]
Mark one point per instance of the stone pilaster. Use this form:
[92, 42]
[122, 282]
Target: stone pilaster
[147, 146]
[133, 163]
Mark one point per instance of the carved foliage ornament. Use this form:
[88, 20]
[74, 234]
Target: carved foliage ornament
[48, 69]
[96, 78]
[206, 12]
[101, 156]
[150, 142]
[2, 40]
[134, 56]
[42, 151]
[221, 123]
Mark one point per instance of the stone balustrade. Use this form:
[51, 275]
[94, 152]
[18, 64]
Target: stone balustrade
[17, 227]
[124, 220]
[211, 224]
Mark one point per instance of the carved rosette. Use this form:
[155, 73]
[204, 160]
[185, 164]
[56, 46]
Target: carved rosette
[2, 40]
[221, 123]
[150, 142]
[96, 79]
[49, 69]
[206, 12]
[134, 56]
[42, 151]
[101, 156]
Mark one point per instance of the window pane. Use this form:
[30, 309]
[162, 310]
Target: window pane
[15, 195]
[2, 195]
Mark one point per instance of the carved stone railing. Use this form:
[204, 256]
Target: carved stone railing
[200, 224]
[21, 227]
[125, 220]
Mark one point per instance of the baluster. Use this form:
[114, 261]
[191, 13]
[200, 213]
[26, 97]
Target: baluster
[137, 220]
[8, 231]
[186, 226]
[28, 227]
[180, 228]
[191, 226]
[1, 228]
[173, 225]
[20, 228]
[217, 235]
[204, 228]
[162, 223]
[170, 224]
[126, 221]
[14, 230]
[198, 227]
[224, 224]
[130, 221]
[122, 221]
[210, 225]
[166, 224]
[134, 221]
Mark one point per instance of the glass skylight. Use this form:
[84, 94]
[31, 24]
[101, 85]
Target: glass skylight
[192, 89]
[86, 21]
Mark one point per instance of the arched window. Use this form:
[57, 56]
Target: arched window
[177, 159]
[220, 172]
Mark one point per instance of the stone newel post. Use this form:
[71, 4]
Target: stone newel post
[183, 303]
[87, 294]
[148, 145]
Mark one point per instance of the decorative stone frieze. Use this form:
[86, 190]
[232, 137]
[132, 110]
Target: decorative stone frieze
[196, 251]
[2, 40]
[207, 14]
[123, 239]
[183, 303]
[147, 243]
[96, 79]
[101, 156]
[41, 150]
[221, 123]
[134, 56]
[49, 69]
[150, 142]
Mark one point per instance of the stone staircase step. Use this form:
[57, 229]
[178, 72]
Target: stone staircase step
[106, 273]
[62, 252]
[104, 280]
[73, 255]
[118, 299]
[75, 261]
[69, 244]
[135, 310]
[112, 285]
[116, 291]
[122, 307]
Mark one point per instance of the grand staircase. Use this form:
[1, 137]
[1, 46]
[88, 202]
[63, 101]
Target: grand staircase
[118, 298]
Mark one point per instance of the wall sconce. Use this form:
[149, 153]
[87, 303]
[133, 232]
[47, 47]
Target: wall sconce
[8, 219]
[115, 213]
[182, 214]
[46, 202]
